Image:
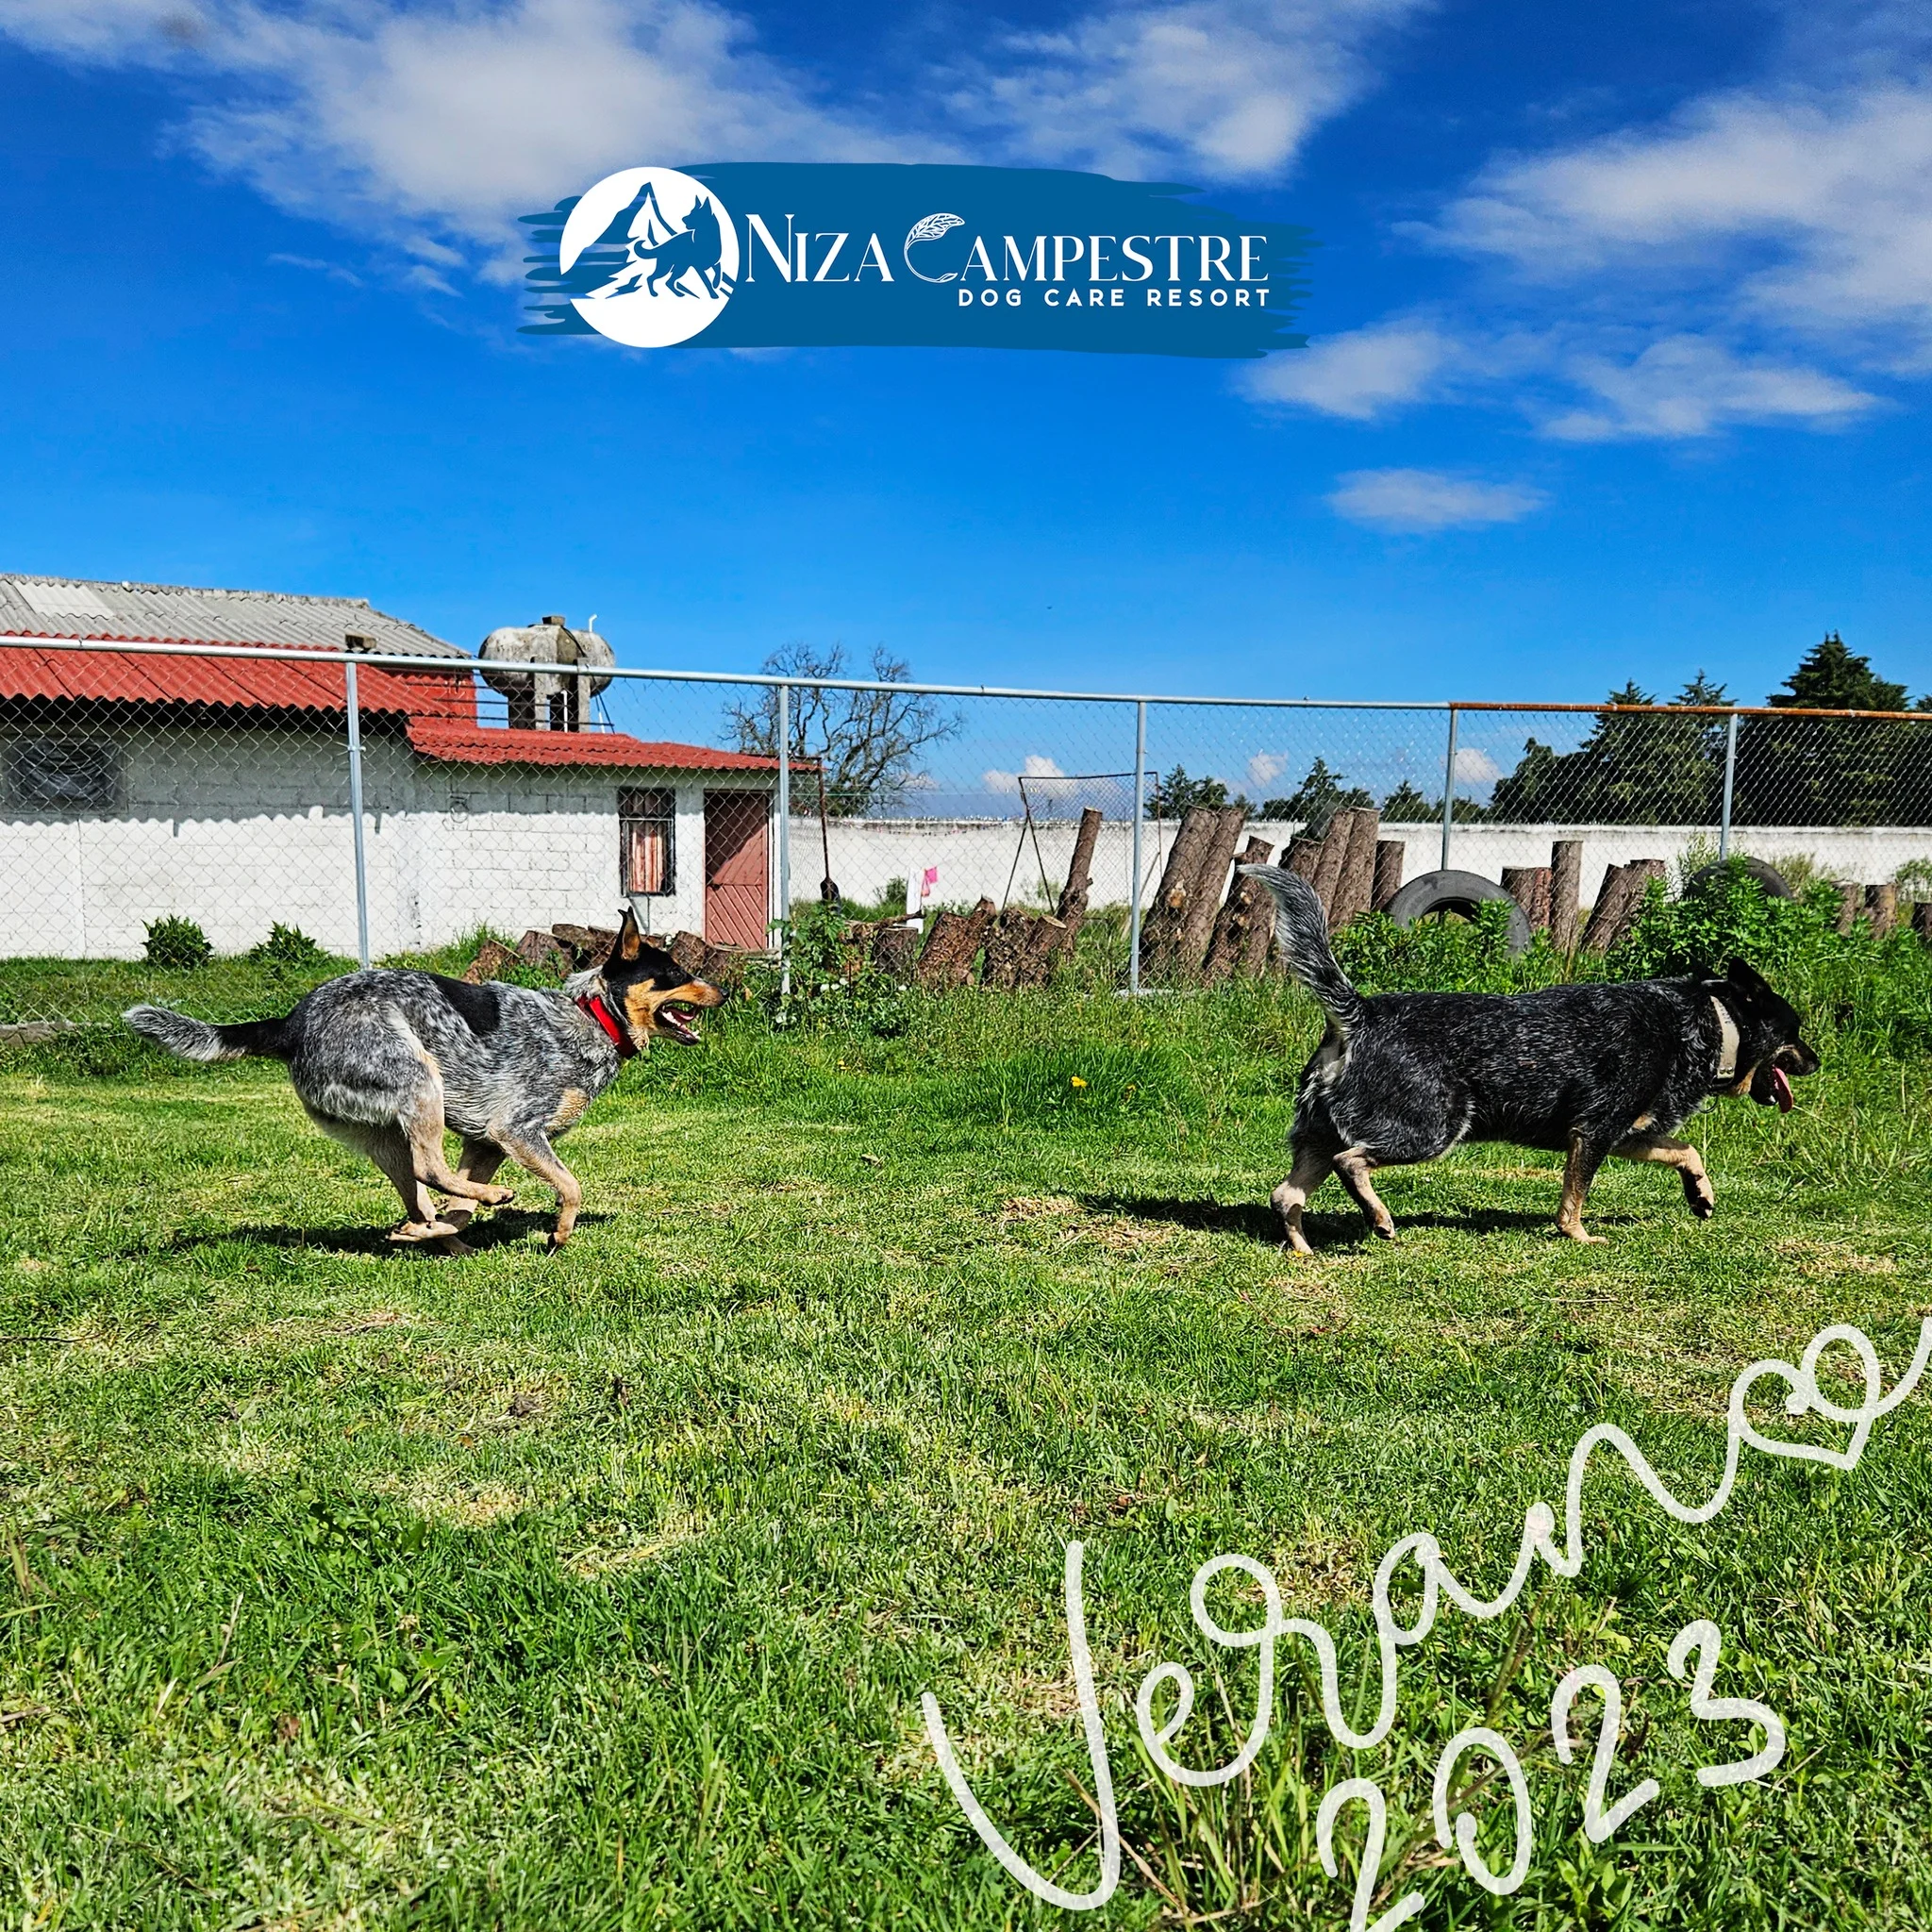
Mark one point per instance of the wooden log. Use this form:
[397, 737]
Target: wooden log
[1566, 875]
[1606, 914]
[895, 949]
[1529, 886]
[1328, 864]
[588, 945]
[1041, 950]
[1161, 927]
[1072, 901]
[1354, 884]
[1881, 908]
[492, 956]
[1639, 872]
[1205, 895]
[1922, 920]
[1019, 948]
[953, 946]
[1239, 913]
[1392, 855]
[1303, 857]
[1850, 902]
[538, 948]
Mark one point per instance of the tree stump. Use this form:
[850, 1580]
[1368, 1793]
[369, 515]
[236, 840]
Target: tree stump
[1566, 877]
[1922, 920]
[588, 945]
[895, 949]
[1392, 855]
[1881, 908]
[1329, 863]
[1204, 896]
[1246, 904]
[953, 946]
[1073, 902]
[1529, 886]
[492, 956]
[1850, 902]
[1355, 879]
[1019, 948]
[538, 948]
[1607, 915]
[1161, 930]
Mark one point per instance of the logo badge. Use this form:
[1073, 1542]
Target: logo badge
[655, 254]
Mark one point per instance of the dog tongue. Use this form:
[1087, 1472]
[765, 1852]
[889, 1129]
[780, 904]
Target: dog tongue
[1781, 1090]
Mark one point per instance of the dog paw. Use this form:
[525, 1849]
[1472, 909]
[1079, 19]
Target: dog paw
[413, 1231]
[1583, 1236]
[497, 1197]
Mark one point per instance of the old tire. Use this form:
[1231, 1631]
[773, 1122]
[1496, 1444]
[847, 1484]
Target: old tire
[1461, 892]
[1767, 875]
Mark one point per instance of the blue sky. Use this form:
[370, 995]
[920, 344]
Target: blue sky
[1622, 320]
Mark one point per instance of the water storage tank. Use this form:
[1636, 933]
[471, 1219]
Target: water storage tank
[559, 701]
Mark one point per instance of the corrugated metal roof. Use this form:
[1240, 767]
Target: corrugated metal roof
[86, 608]
[276, 683]
[460, 744]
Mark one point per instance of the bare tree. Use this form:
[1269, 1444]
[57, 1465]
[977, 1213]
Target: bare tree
[865, 744]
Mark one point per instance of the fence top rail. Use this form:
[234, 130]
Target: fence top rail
[461, 667]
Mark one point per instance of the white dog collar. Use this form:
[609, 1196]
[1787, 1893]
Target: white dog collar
[1727, 1050]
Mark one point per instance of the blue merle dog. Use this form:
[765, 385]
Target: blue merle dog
[387, 1061]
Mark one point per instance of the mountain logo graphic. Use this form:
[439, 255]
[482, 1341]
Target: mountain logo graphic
[648, 257]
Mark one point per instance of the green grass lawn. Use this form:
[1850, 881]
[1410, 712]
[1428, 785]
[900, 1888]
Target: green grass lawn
[348, 1586]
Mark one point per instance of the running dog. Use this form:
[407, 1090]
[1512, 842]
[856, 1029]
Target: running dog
[385, 1061]
[1589, 1071]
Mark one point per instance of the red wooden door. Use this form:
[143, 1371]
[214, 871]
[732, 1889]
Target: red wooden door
[736, 892]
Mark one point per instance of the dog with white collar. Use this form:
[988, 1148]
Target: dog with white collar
[1587, 1071]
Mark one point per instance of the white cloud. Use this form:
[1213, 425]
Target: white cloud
[448, 121]
[1231, 88]
[1265, 767]
[454, 121]
[1413, 500]
[1475, 766]
[1834, 187]
[1685, 386]
[1034, 765]
[1361, 376]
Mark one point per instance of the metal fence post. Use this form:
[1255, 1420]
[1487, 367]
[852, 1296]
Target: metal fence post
[352, 699]
[1140, 814]
[1449, 789]
[1724, 824]
[784, 840]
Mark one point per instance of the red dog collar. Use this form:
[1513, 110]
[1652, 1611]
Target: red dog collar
[619, 1037]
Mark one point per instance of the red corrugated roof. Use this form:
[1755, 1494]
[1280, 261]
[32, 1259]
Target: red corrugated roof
[462, 744]
[440, 707]
[274, 684]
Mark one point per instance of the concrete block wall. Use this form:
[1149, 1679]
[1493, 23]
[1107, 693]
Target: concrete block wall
[976, 856]
[237, 829]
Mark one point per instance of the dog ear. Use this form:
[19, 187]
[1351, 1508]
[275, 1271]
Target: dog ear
[1742, 973]
[630, 940]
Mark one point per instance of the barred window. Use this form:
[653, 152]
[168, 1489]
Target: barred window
[646, 825]
[63, 775]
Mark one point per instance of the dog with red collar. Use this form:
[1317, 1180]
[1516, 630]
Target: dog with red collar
[388, 1062]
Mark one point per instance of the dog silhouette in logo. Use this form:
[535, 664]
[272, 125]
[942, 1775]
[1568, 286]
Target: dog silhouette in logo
[699, 250]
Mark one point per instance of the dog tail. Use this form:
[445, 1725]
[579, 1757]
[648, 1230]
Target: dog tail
[1301, 930]
[195, 1039]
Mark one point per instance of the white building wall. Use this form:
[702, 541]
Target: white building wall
[237, 829]
[977, 858]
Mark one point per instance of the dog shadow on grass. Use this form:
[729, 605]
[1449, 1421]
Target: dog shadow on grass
[501, 1230]
[1256, 1220]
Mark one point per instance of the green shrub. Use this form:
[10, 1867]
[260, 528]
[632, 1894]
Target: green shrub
[287, 945]
[832, 984]
[177, 943]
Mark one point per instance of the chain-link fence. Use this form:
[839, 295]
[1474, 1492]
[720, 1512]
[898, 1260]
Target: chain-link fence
[171, 811]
